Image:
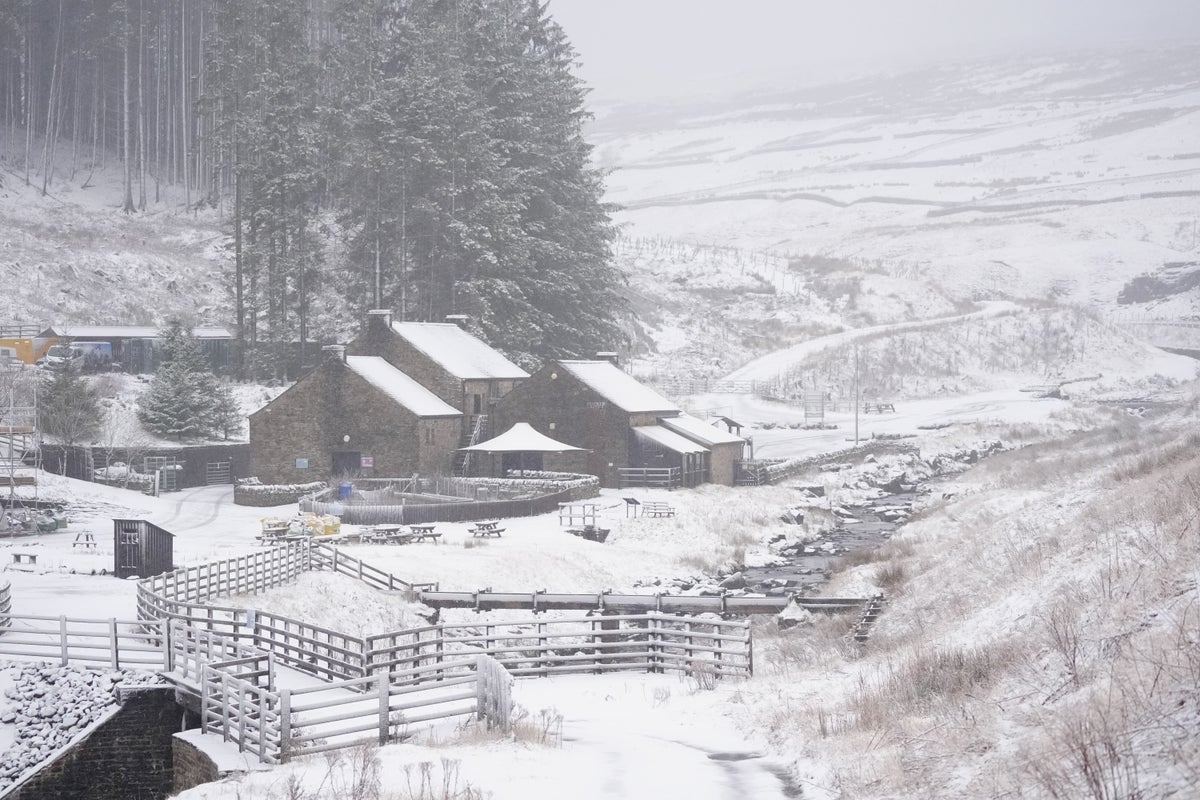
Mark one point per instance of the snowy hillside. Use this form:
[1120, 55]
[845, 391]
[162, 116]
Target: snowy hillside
[1047, 179]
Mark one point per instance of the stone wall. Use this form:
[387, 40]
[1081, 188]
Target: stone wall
[128, 755]
[265, 495]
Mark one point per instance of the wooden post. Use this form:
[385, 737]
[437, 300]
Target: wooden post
[62, 633]
[385, 696]
[113, 644]
[241, 709]
[203, 701]
[285, 724]
[225, 706]
[481, 695]
[168, 655]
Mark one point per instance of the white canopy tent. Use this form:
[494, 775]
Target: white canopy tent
[522, 438]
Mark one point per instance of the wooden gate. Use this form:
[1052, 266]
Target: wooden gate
[218, 472]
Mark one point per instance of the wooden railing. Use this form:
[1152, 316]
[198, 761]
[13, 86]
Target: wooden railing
[119, 644]
[376, 685]
[663, 478]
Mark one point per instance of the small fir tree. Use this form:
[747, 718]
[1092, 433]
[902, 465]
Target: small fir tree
[185, 400]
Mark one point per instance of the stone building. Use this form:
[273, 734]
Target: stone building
[597, 406]
[353, 415]
[461, 369]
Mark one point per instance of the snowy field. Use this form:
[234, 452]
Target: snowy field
[1050, 179]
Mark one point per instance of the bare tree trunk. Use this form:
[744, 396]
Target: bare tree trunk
[183, 104]
[55, 79]
[126, 130]
[141, 109]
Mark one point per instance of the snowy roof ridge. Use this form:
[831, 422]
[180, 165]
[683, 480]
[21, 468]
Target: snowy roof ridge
[462, 355]
[618, 387]
[400, 387]
[668, 439]
[130, 332]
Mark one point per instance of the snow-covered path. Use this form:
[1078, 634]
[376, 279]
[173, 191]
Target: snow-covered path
[655, 737]
[772, 365]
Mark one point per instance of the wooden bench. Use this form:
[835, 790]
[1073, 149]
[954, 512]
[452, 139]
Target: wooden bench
[427, 536]
[24, 558]
[657, 508]
[84, 539]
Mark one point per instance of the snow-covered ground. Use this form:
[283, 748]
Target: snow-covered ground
[614, 731]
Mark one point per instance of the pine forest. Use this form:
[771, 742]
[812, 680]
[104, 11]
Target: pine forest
[425, 156]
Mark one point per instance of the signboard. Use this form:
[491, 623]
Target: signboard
[366, 462]
[301, 463]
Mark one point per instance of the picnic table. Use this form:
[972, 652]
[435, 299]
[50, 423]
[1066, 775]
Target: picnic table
[487, 528]
[387, 534]
[424, 533]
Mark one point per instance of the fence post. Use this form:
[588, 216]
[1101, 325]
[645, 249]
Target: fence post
[385, 696]
[112, 641]
[62, 632]
[225, 706]
[168, 656]
[203, 701]
[481, 689]
[241, 709]
[285, 723]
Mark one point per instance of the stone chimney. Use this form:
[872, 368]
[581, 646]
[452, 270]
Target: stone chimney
[335, 352]
[609, 356]
[379, 319]
[458, 319]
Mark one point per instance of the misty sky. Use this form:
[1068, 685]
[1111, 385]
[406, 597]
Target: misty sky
[642, 49]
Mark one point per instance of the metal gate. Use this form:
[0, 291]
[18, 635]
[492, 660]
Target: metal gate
[218, 472]
[166, 467]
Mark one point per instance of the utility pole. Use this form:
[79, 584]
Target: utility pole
[857, 395]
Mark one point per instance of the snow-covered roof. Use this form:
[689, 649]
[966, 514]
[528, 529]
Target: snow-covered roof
[462, 355]
[668, 439]
[521, 438]
[698, 430]
[617, 387]
[127, 332]
[398, 386]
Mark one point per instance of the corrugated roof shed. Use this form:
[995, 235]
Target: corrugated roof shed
[128, 332]
[401, 388]
[458, 352]
[699, 430]
[619, 388]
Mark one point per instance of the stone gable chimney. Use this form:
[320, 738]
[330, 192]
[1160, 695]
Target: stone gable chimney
[335, 352]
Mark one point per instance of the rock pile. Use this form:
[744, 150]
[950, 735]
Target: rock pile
[50, 705]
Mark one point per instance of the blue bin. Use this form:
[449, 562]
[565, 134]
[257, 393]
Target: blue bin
[344, 491]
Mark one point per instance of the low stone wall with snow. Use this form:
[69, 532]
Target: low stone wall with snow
[580, 487]
[252, 493]
[73, 738]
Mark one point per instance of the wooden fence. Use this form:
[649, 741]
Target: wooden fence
[662, 477]
[646, 642]
[374, 686]
[119, 644]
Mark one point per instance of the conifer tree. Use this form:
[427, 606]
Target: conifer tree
[185, 400]
[68, 407]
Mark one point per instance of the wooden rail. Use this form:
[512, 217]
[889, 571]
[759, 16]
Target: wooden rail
[636, 603]
[119, 644]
